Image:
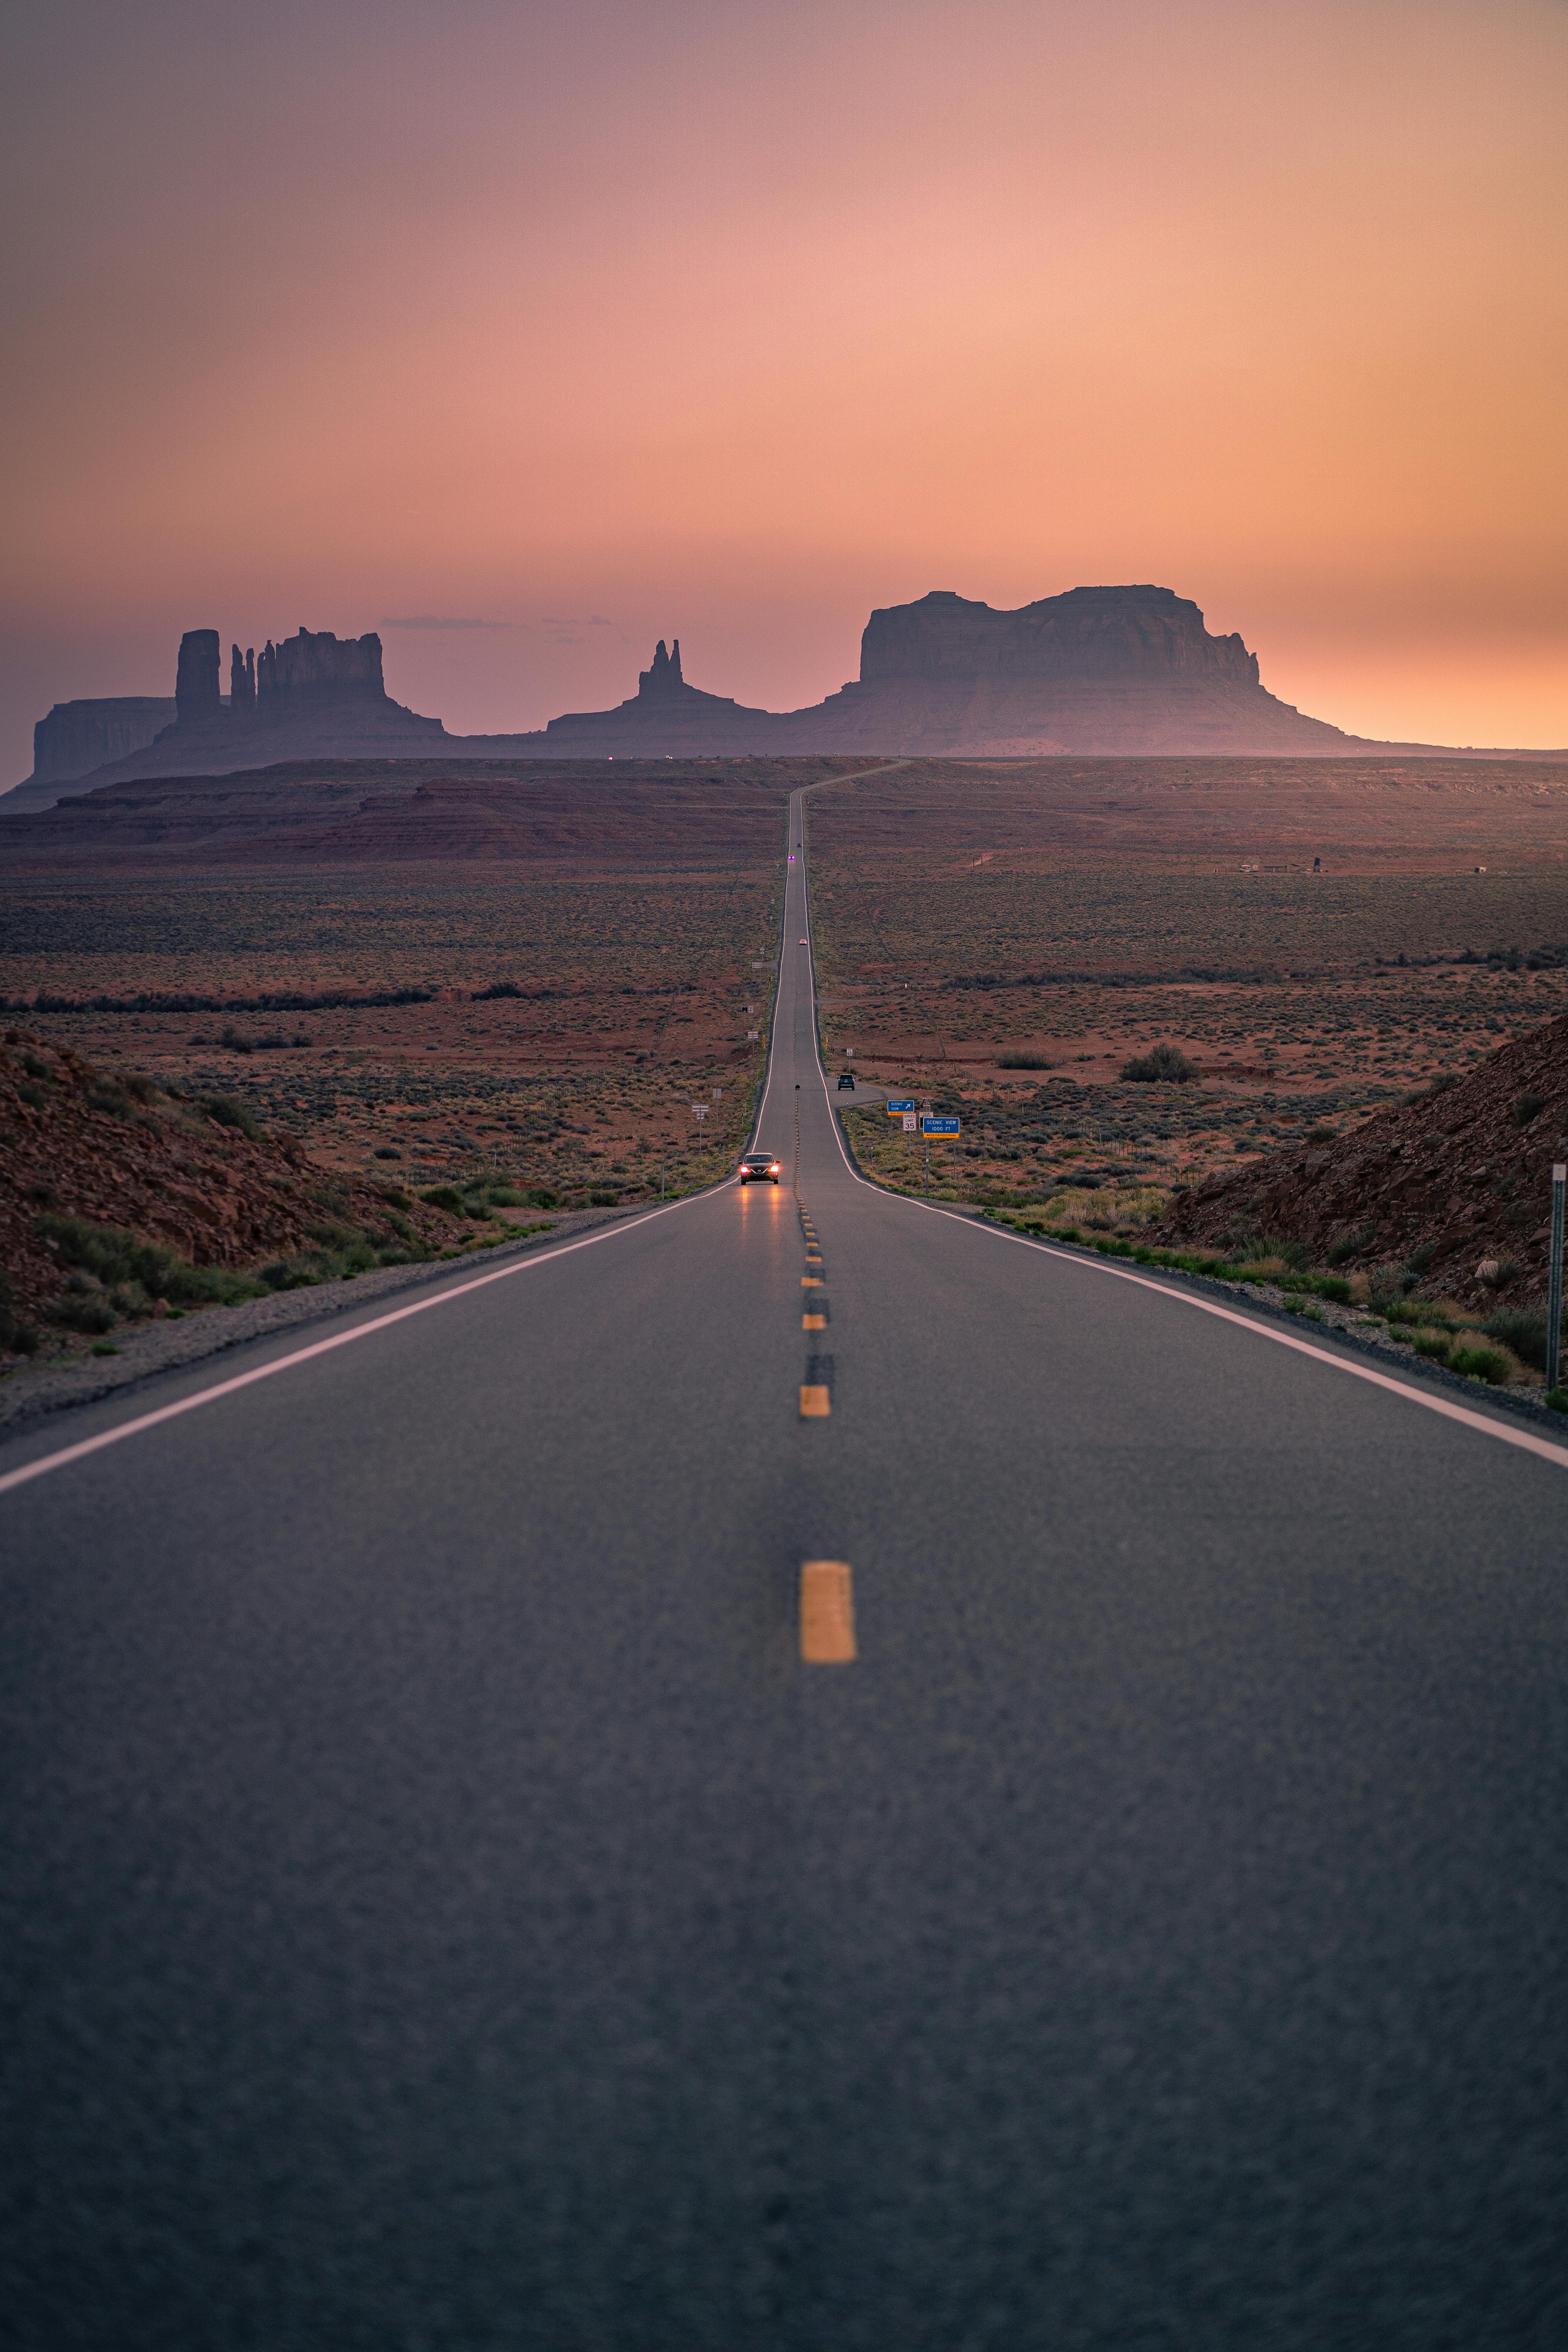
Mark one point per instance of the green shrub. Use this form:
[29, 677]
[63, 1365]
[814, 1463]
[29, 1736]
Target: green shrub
[1023, 1062]
[604, 1200]
[1163, 1065]
[16, 1338]
[1436, 1344]
[1333, 1286]
[445, 1196]
[1489, 1364]
[114, 1257]
[539, 1196]
[1519, 1329]
[1558, 1400]
[1351, 1244]
[1526, 1107]
[33, 1095]
[82, 1310]
[227, 1111]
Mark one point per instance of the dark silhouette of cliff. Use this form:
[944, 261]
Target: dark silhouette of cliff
[1122, 671]
[315, 696]
[79, 737]
[665, 718]
[1116, 670]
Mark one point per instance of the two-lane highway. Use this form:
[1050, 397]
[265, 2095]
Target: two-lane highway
[441, 1908]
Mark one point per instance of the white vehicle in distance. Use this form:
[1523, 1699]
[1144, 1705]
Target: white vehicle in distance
[759, 1168]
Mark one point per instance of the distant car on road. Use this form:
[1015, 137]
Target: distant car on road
[845, 1078]
[759, 1168]
[803, 943]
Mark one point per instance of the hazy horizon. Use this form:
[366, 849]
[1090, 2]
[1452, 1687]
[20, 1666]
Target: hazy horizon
[607, 324]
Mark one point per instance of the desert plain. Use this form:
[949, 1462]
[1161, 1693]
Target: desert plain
[547, 986]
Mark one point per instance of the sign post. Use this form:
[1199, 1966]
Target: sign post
[1554, 1280]
[936, 1123]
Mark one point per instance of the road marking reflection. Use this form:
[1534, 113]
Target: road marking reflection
[827, 1612]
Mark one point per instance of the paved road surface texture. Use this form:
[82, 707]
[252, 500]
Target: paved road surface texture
[442, 1909]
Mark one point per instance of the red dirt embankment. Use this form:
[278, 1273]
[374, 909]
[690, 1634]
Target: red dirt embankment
[1449, 1183]
[121, 1151]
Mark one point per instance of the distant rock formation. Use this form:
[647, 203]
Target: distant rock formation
[77, 736]
[315, 696]
[1124, 672]
[666, 718]
[196, 691]
[663, 674]
[1113, 670]
[315, 667]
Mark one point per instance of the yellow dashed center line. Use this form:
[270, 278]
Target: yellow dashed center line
[814, 1322]
[815, 1404]
[827, 1612]
[812, 1281]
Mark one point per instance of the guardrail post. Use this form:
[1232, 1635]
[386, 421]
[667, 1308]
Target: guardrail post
[1555, 1279]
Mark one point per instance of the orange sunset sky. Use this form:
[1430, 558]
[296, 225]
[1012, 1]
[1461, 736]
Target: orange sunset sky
[595, 323]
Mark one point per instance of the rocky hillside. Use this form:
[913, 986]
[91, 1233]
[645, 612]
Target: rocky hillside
[1452, 1187]
[117, 1196]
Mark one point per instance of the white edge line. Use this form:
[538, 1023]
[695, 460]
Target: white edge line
[1523, 1438]
[87, 1445]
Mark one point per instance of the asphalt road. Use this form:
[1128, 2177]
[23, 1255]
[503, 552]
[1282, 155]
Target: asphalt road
[440, 1909]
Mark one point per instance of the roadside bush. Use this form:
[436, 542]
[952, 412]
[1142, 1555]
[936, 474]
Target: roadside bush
[82, 1306]
[445, 1196]
[1436, 1344]
[1163, 1065]
[113, 1256]
[539, 1196]
[227, 1111]
[386, 1151]
[1489, 1364]
[1351, 1245]
[1526, 1107]
[16, 1338]
[1519, 1329]
[1499, 1272]
[1024, 1062]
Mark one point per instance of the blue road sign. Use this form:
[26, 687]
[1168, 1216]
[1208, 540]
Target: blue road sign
[899, 1105]
[939, 1123]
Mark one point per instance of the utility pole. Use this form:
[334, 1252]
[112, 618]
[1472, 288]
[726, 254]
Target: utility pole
[1554, 1280]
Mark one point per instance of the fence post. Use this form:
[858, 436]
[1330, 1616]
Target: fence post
[1554, 1278]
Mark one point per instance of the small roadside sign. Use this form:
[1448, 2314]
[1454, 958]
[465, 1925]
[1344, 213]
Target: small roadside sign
[910, 1122]
[900, 1106]
[939, 1123]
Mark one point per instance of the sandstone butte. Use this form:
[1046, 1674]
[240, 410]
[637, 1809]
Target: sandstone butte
[1447, 1183]
[1118, 671]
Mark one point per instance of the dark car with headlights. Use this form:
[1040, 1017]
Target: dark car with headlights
[759, 1168]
